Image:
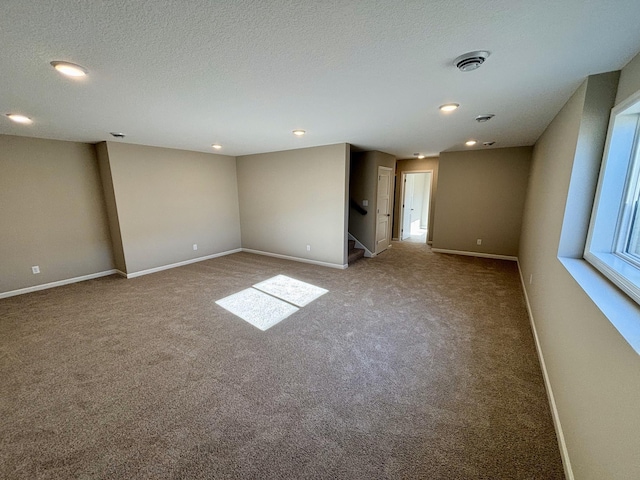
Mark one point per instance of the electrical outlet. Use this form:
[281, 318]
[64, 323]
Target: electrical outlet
[308, 248]
[195, 246]
[35, 269]
[479, 241]
[365, 203]
[531, 279]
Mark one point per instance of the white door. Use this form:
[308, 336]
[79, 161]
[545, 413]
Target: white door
[407, 206]
[383, 208]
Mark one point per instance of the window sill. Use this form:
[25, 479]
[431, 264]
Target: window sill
[620, 272]
[621, 310]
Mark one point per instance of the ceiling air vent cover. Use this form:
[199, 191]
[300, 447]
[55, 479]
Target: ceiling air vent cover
[470, 61]
[484, 118]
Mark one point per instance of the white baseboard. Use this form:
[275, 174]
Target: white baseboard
[564, 453]
[180, 264]
[475, 254]
[59, 283]
[295, 259]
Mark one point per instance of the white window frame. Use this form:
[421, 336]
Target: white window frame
[614, 201]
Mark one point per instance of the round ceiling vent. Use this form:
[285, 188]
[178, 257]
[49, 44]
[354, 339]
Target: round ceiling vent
[470, 61]
[118, 134]
[484, 118]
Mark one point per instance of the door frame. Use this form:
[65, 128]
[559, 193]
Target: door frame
[402, 192]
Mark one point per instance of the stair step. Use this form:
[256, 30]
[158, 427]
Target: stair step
[354, 253]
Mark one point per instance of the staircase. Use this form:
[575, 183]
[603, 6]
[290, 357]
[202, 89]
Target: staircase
[354, 253]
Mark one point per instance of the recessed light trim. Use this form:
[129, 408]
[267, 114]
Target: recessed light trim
[470, 143]
[449, 107]
[22, 119]
[69, 69]
[299, 132]
[217, 146]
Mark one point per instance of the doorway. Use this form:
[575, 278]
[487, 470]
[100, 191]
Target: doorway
[416, 202]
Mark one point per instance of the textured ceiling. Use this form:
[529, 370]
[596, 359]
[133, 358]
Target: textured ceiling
[186, 74]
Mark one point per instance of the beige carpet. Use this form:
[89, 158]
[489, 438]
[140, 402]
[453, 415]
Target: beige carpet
[413, 365]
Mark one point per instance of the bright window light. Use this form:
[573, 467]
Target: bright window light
[613, 243]
[271, 301]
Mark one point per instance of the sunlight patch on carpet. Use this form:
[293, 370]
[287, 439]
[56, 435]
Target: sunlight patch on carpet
[291, 290]
[259, 309]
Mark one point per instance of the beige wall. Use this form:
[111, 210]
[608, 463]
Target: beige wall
[363, 185]
[295, 198]
[629, 80]
[52, 212]
[594, 374]
[481, 194]
[167, 200]
[111, 206]
[415, 165]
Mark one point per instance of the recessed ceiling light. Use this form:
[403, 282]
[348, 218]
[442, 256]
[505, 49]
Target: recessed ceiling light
[15, 117]
[448, 107]
[69, 69]
[216, 146]
[470, 143]
[299, 133]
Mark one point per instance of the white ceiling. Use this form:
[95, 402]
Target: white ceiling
[242, 73]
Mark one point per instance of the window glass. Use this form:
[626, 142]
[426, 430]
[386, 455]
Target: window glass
[613, 244]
